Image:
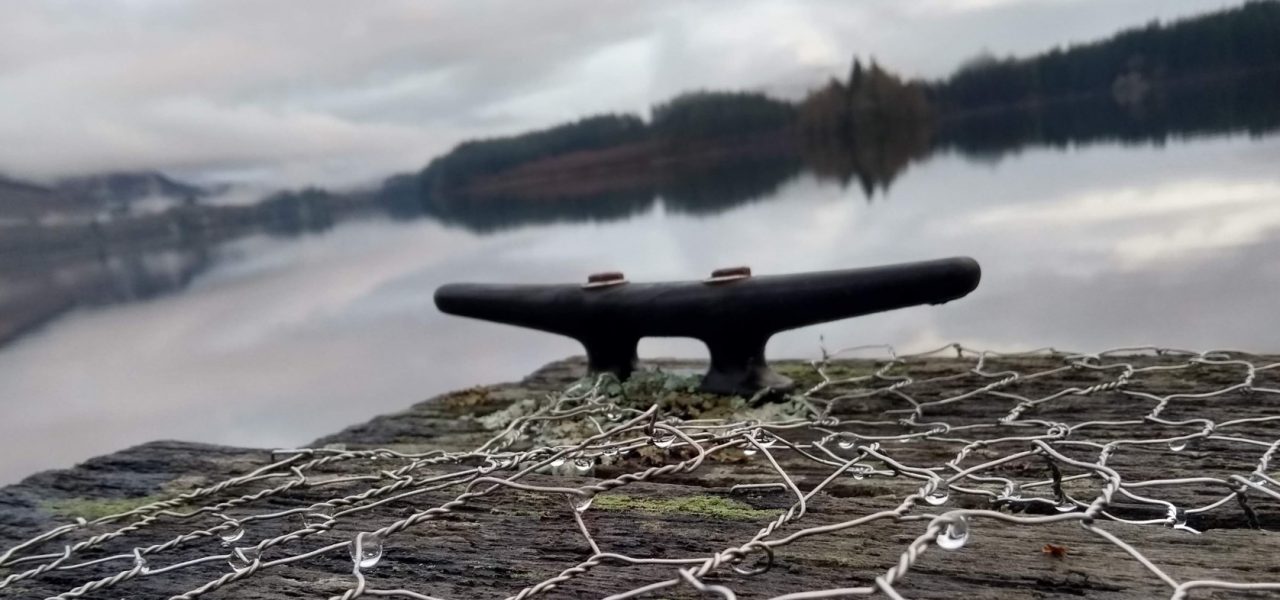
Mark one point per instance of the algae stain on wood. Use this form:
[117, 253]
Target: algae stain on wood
[91, 509]
[95, 508]
[702, 505]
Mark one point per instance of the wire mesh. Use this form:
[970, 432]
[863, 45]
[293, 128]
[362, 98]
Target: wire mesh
[971, 438]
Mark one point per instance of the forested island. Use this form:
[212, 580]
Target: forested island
[1215, 72]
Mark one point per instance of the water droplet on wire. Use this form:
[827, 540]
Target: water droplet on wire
[1010, 492]
[938, 496]
[955, 536]
[370, 550]
[662, 439]
[317, 517]
[232, 534]
[242, 558]
[765, 439]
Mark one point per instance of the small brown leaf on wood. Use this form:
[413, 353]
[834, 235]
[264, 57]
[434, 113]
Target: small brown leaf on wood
[1054, 550]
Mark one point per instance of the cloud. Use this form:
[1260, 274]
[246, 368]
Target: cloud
[330, 92]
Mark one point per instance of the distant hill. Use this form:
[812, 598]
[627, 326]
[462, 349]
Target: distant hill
[124, 191]
[26, 202]
[17, 190]
[84, 197]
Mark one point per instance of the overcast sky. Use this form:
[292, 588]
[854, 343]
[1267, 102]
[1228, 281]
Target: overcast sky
[345, 92]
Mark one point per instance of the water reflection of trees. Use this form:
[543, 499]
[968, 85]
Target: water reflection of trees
[714, 188]
[40, 287]
[1238, 104]
[51, 269]
[708, 185]
[874, 162]
[498, 213]
[870, 157]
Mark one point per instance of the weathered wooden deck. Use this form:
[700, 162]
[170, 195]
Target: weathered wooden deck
[499, 544]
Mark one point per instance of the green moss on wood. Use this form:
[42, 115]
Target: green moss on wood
[96, 508]
[806, 375]
[474, 401]
[707, 506]
[675, 393]
[516, 511]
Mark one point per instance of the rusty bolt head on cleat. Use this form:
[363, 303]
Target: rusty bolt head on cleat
[604, 279]
[728, 274]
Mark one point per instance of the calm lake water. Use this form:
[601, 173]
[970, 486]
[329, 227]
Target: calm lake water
[280, 340]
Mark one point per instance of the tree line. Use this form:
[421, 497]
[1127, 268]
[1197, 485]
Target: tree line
[875, 121]
[684, 119]
[1126, 65]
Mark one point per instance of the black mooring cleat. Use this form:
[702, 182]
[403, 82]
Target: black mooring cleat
[732, 312]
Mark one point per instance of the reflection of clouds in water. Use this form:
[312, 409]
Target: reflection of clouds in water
[1208, 230]
[1227, 300]
[1159, 200]
[287, 339]
[314, 282]
[276, 357]
[1182, 219]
